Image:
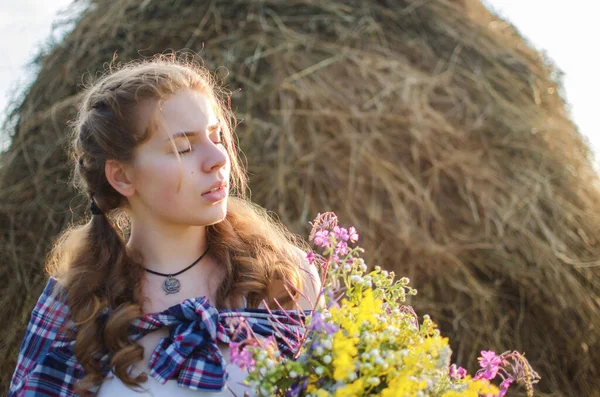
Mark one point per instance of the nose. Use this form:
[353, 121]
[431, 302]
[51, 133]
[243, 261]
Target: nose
[215, 158]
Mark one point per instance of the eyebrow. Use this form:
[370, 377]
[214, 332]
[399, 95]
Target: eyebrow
[210, 128]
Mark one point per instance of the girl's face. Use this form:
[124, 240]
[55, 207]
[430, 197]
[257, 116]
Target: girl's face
[170, 190]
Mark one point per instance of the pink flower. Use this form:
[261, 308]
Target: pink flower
[490, 362]
[504, 386]
[457, 372]
[241, 357]
[353, 236]
[322, 238]
[340, 233]
[341, 248]
[310, 257]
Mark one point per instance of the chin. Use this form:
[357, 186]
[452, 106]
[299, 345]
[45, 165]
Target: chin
[219, 215]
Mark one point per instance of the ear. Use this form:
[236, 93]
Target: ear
[120, 176]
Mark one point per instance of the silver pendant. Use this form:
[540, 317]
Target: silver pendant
[171, 285]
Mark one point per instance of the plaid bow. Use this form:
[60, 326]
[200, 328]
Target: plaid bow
[190, 352]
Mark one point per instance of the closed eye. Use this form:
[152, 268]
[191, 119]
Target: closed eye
[189, 149]
[220, 135]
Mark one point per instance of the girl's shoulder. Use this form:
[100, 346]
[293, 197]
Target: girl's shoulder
[310, 281]
[50, 311]
[46, 349]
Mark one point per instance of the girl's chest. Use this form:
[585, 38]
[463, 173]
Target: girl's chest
[112, 386]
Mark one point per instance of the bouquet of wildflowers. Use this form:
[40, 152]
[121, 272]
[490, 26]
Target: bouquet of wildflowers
[363, 341]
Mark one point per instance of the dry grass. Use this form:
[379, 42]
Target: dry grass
[431, 126]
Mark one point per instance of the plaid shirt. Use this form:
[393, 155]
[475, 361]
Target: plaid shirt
[47, 366]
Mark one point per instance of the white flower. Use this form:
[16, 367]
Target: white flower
[319, 370]
[293, 374]
[327, 359]
[374, 380]
[356, 278]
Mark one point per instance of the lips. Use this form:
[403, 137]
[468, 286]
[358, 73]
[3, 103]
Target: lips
[218, 184]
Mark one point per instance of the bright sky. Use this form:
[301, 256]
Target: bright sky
[563, 29]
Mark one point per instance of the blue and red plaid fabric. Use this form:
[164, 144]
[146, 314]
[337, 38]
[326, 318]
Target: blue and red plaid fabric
[47, 366]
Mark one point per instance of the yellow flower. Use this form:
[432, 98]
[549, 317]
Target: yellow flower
[368, 309]
[403, 386]
[474, 389]
[350, 390]
[344, 351]
[322, 393]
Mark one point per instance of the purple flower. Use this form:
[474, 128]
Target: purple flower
[318, 324]
[504, 386]
[310, 257]
[297, 388]
[490, 362]
[331, 298]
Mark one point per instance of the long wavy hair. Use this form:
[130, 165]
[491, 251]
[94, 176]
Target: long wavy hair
[90, 260]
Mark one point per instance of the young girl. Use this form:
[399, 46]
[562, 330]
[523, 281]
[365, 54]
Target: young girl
[144, 298]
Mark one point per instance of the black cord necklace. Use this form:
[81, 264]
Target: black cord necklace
[172, 284]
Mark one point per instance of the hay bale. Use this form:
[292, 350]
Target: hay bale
[432, 127]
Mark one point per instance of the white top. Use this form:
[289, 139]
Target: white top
[113, 386]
